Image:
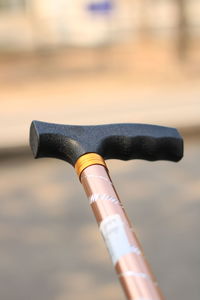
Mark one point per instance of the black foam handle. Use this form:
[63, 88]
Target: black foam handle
[119, 141]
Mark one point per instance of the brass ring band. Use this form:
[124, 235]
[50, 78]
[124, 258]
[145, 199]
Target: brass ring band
[87, 160]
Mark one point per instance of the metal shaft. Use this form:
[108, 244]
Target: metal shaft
[130, 264]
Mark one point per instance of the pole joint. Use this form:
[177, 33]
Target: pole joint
[88, 160]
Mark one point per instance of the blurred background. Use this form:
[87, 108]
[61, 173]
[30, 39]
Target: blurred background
[95, 62]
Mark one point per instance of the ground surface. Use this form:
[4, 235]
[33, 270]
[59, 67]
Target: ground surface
[50, 245]
[94, 87]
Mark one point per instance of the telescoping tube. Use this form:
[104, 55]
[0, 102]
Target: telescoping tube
[130, 264]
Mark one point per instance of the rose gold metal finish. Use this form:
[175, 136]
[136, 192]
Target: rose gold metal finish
[132, 268]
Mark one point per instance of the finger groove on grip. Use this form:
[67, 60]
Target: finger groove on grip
[120, 141]
[142, 147]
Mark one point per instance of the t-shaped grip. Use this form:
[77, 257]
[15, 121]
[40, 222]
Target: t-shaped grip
[119, 141]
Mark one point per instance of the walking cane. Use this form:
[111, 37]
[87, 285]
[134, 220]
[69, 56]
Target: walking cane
[86, 148]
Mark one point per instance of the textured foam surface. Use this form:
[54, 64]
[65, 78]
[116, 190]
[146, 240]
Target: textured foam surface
[114, 141]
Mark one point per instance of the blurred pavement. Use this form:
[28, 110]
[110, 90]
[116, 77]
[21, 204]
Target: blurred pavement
[51, 248]
[94, 98]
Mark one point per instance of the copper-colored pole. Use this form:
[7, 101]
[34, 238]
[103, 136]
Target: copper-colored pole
[132, 269]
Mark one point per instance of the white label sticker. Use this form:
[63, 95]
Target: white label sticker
[113, 231]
